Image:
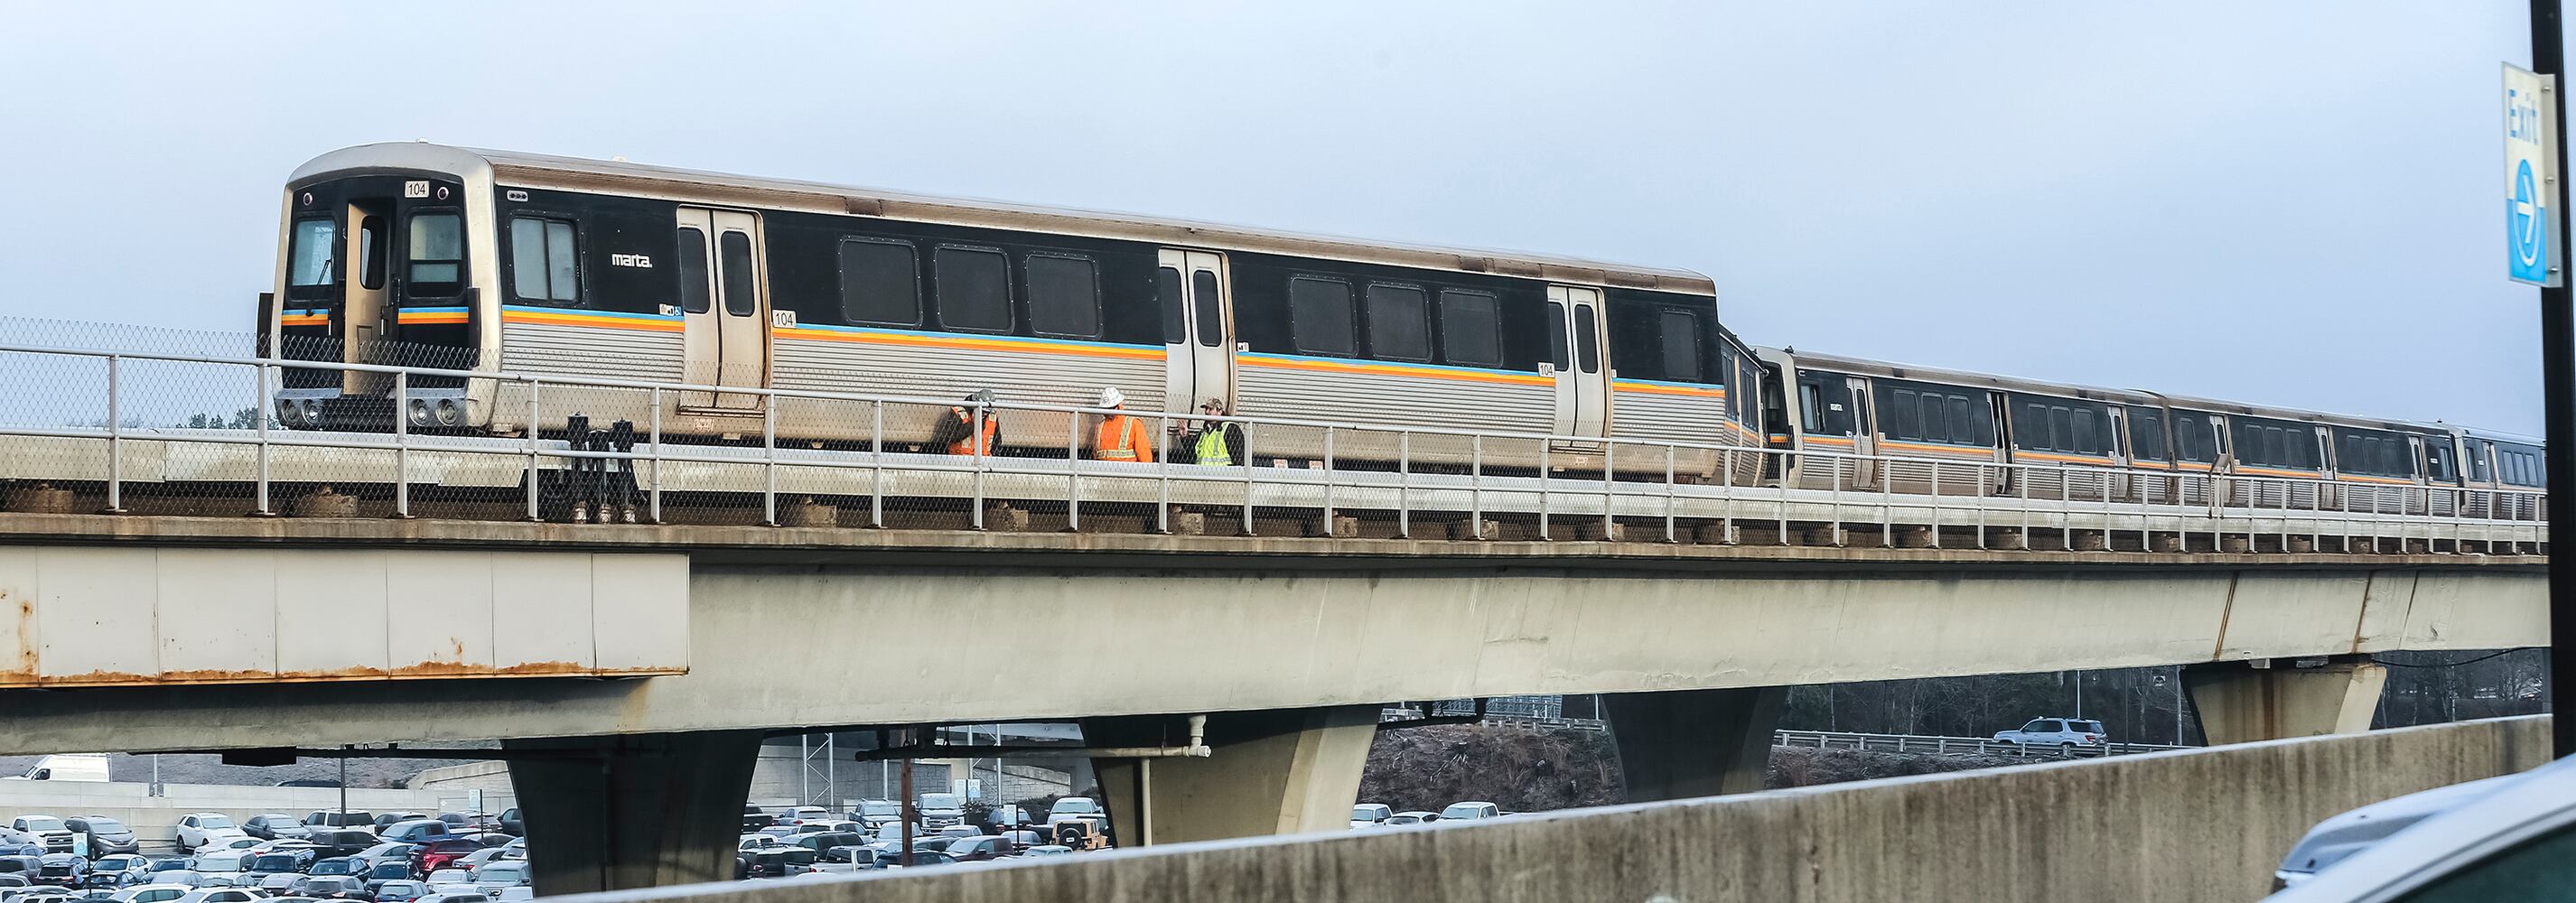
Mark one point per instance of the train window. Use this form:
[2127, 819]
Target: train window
[1904, 420]
[1211, 307]
[1681, 345]
[1064, 296]
[2194, 440]
[1587, 340]
[1557, 354]
[1167, 289]
[2088, 434]
[2437, 460]
[371, 252]
[1470, 328]
[2478, 463]
[693, 271]
[1935, 423]
[2146, 434]
[543, 266]
[880, 283]
[734, 267]
[1810, 402]
[437, 253]
[1824, 403]
[974, 288]
[1963, 419]
[309, 252]
[1319, 314]
[1398, 323]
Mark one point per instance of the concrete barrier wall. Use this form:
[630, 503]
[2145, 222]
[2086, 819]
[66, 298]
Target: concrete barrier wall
[2193, 825]
[155, 818]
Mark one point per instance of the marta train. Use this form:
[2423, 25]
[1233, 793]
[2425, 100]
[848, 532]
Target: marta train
[472, 260]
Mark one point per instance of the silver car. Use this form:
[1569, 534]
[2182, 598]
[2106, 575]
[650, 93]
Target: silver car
[2512, 839]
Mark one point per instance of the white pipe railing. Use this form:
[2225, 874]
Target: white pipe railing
[2116, 500]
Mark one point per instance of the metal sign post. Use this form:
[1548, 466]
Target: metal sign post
[2557, 351]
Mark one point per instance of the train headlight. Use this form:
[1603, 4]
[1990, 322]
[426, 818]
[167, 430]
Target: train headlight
[286, 411]
[311, 410]
[450, 412]
[418, 412]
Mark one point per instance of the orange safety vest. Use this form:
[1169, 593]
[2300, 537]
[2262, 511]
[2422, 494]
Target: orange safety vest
[970, 444]
[1121, 438]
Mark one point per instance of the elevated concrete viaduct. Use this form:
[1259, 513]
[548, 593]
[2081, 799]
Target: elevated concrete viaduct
[1288, 646]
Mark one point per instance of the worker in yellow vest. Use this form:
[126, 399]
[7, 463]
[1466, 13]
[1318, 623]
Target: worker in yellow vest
[973, 428]
[1119, 437]
[1215, 443]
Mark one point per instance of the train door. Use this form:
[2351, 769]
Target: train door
[367, 311]
[1864, 432]
[1198, 329]
[1574, 348]
[724, 308]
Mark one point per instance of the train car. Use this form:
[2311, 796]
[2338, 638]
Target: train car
[2501, 474]
[490, 261]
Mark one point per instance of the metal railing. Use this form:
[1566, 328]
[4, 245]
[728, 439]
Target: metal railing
[1904, 743]
[1326, 473]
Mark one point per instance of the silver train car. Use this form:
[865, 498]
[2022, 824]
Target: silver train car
[1968, 431]
[426, 255]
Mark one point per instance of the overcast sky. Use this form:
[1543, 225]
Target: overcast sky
[2286, 202]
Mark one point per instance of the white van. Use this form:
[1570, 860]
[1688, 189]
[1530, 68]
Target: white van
[74, 767]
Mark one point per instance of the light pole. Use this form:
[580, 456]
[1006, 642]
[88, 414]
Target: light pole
[2558, 374]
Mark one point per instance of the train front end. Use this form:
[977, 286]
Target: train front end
[386, 257]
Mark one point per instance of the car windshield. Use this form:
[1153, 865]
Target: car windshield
[1077, 804]
[500, 871]
[939, 801]
[214, 821]
[219, 862]
[43, 823]
[1462, 810]
[332, 867]
[275, 863]
[879, 807]
[105, 825]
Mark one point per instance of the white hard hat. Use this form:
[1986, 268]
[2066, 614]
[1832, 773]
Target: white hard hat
[1110, 398]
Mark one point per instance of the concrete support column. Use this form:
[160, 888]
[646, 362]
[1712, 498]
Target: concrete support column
[1281, 771]
[633, 810]
[2239, 703]
[1679, 744]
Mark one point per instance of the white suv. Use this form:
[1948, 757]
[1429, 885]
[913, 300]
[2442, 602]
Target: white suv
[206, 829]
[2067, 734]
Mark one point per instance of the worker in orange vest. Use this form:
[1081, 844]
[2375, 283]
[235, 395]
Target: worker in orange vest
[1119, 437]
[959, 432]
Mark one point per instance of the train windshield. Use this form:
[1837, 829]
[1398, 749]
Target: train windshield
[309, 252]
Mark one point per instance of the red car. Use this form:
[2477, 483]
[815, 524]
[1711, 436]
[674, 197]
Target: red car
[439, 854]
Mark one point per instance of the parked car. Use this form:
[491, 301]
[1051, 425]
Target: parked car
[107, 836]
[978, 849]
[1370, 815]
[453, 897]
[755, 818]
[320, 819]
[1073, 805]
[277, 884]
[2066, 734]
[14, 842]
[890, 859]
[397, 891]
[386, 854]
[416, 830]
[1412, 817]
[337, 887]
[291, 862]
[939, 810]
[514, 822]
[1471, 810]
[492, 878]
[178, 878]
[342, 842]
[125, 869]
[1049, 850]
[389, 819]
[222, 868]
[220, 895]
[49, 831]
[803, 814]
[276, 826]
[152, 893]
[200, 829]
[877, 812]
[447, 878]
[61, 870]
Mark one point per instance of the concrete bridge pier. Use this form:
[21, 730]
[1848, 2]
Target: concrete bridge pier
[1679, 744]
[1279, 771]
[2241, 703]
[633, 810]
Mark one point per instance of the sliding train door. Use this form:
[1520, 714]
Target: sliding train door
[1198, 330]
[1574, 327]
[724, 309]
